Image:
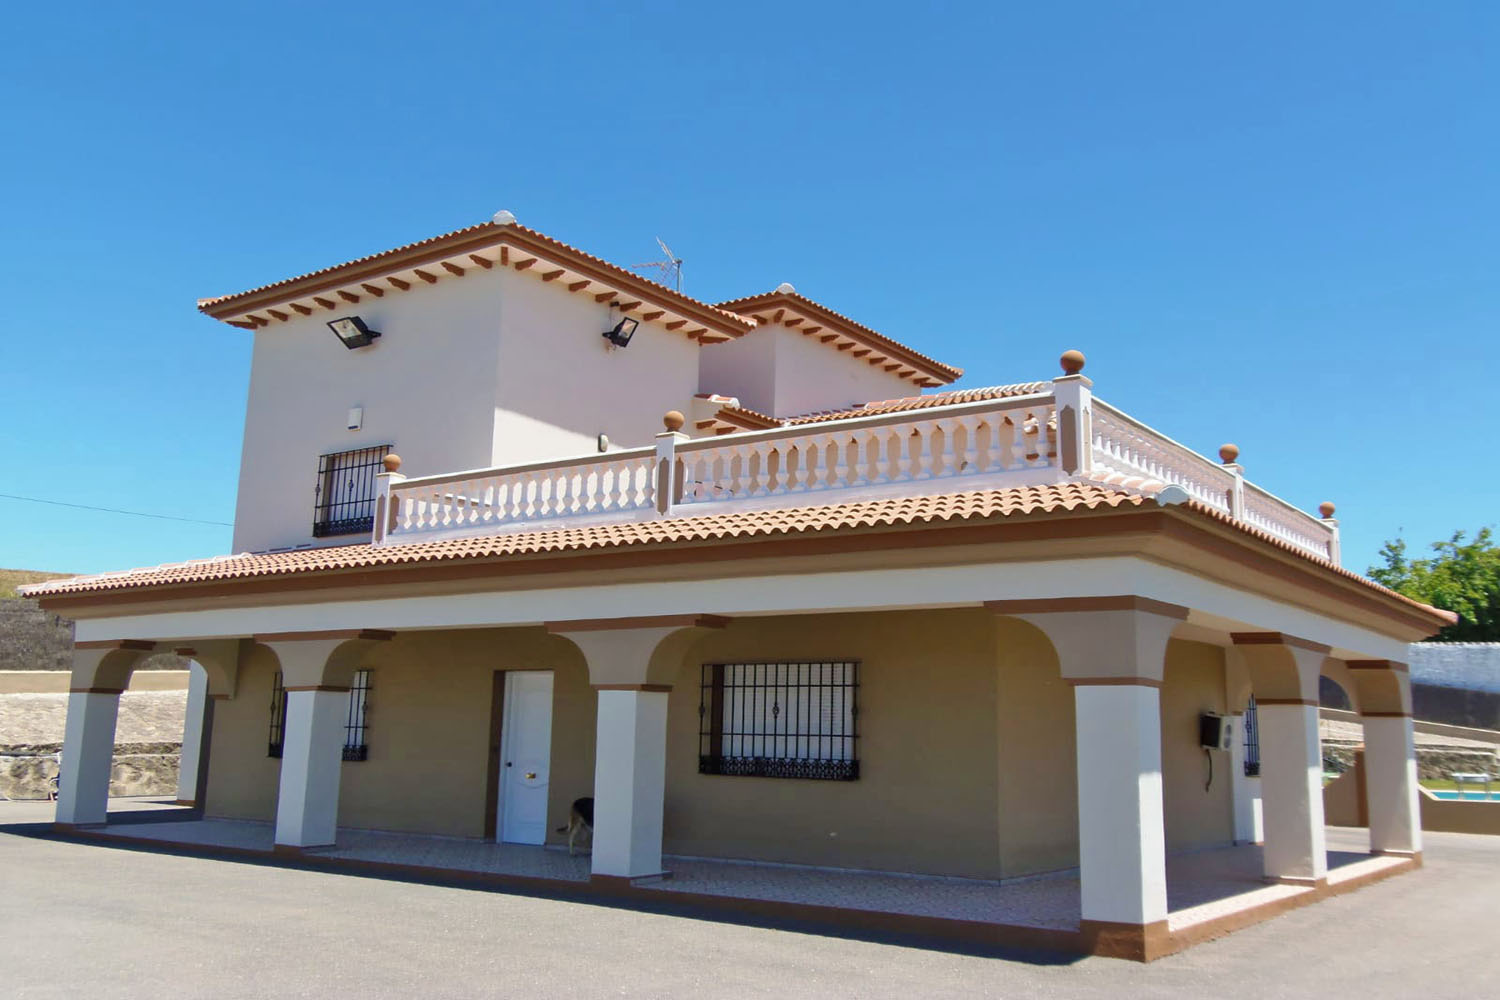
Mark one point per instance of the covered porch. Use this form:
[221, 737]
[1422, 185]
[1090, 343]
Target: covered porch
[1027, 767]
[1210, 892]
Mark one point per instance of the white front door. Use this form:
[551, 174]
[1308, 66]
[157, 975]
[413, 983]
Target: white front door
[525, 756]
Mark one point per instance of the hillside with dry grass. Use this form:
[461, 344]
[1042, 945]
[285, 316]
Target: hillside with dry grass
[10, 579]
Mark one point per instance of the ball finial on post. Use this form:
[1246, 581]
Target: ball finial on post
[1072, 362]
[1326, 508]
[392, 462]
[1229, 453]
[673, 420]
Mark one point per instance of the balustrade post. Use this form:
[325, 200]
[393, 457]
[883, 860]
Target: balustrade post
[387, 506]
[1075, 416]
[1228, 454]
[1332, 524]
[668, 469]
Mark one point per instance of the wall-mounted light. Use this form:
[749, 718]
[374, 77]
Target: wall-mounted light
[621, 332]
[352, 332]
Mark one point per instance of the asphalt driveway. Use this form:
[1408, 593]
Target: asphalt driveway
[85, 920]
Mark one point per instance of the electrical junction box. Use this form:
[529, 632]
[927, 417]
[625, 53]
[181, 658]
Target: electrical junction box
[1215, 732]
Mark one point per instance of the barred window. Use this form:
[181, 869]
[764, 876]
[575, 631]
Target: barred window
[780, 720]
[355, 725]
[1252, 741]
[278, 717]
[356, 722]
[344, 498]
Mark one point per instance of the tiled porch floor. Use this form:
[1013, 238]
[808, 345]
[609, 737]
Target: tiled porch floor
[1200, 886]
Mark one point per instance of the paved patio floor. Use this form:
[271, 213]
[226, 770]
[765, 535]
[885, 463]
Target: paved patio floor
[1201, 886]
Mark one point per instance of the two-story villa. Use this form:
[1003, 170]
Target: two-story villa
[670, 555]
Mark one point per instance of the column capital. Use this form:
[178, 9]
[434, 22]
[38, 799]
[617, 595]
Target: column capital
[1278, 639]
[1063, 605]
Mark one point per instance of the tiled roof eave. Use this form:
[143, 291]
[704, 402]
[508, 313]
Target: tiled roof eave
[457, 244]
[800, 303]
[689, 533]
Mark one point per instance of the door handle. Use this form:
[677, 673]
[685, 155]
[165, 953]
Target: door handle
[530, 775]
[507, 763]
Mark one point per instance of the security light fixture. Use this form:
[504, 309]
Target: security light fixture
[352, 332]
[621, 332]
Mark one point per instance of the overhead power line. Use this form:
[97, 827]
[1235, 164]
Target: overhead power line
[115, 510]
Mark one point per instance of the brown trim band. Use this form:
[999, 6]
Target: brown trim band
[1385, 715]
[632, 687]
[1113, 681]
[141, 645]
[1121, 602]
[1287, 701]
[318, 687]
[1395, 665]
[96, 690]
[1136, 942]
[221, 697]
[188, 651]
[379, 635]
[646, 621]
[1277, 639]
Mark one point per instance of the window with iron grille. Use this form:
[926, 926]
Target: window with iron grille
[344, 501]
[1252, 742]
[780, 720]
[278, 718]
[355, 724]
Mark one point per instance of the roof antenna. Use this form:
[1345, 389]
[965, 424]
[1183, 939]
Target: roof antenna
[669, 269]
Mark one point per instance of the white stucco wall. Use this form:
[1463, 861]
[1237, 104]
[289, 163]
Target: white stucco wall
[744, 368]
[561, 386]
[813, 376]
[778, 371]
[427, 387]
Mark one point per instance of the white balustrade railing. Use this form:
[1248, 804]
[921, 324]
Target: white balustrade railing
[988, 443]
[1282, 520]
[615, 482]
[992, 437]
[1128, 447]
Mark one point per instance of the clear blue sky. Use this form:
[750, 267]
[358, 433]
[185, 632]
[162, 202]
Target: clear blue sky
[1277, 224]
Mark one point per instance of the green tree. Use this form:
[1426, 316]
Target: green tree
[1460, 576]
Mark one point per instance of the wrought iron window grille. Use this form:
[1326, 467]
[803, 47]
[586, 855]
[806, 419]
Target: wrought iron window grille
[356, 725]
[344, 496]
[780, 720]
[1252, 742]
[278, 718]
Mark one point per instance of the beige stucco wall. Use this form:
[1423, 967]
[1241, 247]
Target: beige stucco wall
[1038, 763]
[242, 780]
[926, 797]
[1193, 684]
[428, 738]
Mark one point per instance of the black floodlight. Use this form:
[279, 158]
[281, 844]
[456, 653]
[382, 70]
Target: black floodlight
[622, 331]
[352, 332]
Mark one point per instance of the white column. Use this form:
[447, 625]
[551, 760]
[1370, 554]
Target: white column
[312, 753]
[1291, 769]
[87, 756]
[192, 734]
[1121, 837]
[1391, 784]
[630, 780]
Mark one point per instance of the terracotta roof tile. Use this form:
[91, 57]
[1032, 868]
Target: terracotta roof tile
[215, 304]
[770, 300]
[977, 505]
[738, 524]
[951, 398]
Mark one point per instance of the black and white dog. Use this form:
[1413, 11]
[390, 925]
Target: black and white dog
[580, 817]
